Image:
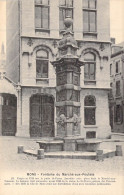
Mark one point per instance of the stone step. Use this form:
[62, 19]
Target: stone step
[30, 152]
[72, 155]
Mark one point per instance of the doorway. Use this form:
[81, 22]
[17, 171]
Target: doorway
[8, 116]
[41, 116]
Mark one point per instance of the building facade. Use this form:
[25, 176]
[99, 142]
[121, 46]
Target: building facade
[8, 99]
[34, 28]
[116, 97]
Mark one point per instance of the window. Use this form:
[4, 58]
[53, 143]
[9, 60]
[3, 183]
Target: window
[90, 134]
[1, 100]
[8, 100]
[42, 14]
[65, 9]
[111, 93]
[89, 110]
[118, 90]
[118, 114]
[111, 115]
[110, 69]
[117, 67]
[89, 15]
[41, 64]
[89, 67]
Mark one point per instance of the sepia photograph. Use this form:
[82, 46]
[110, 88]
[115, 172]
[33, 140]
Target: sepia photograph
[62, 97]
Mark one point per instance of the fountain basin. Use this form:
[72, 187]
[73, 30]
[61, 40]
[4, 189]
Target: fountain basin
[70, 144]
[51, 146]
[89, 145]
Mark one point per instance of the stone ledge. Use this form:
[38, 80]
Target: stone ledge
[117, 136]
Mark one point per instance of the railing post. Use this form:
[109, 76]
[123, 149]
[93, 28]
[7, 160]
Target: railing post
[20, 149]
[119, 150]
[40, 154]
[99, 155]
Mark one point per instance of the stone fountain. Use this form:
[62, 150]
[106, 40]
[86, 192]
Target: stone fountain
[68, 70]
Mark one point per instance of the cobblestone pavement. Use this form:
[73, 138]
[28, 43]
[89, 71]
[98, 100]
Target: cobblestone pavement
[11, 162]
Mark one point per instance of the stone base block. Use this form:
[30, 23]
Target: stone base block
[20, 149]
[119, 150]
[70, 145]
[40, 154]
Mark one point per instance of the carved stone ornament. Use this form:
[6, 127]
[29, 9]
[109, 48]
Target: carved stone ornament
[2, 75]
[61, 96]
[30, 42]
[55, 44]
[18, 88]
[102, 47]
[61, 120]
[68, 38]
[76, 120]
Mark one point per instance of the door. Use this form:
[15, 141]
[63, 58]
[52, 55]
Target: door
[8, 114]
[41, 116]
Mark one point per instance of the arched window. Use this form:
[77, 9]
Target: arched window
[89, 67]
[42, 64]
[89, 110]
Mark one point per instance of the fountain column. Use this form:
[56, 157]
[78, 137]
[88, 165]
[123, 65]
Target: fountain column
[68, 88]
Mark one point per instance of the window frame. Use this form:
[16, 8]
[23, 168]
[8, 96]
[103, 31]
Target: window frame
[110, 95]
[91, 107]
[117, 66]
[90, 10]
[65, 7]
[89, 62]
[118, 88]
[111, 69]
[41, 5]
[42, 59]
[120, 110]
